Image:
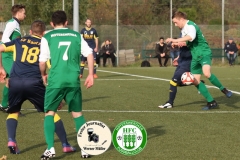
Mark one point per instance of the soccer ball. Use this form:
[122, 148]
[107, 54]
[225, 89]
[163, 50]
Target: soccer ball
[187, 78]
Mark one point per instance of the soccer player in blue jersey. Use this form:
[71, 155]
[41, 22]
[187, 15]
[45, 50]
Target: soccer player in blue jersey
[26, 83]
[11, 32]
[184, 63]
[91, 37]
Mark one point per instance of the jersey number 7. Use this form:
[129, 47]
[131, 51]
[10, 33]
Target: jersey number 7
[67, 43]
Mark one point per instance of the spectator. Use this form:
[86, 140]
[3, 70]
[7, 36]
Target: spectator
[161, 51]
[174, 52]
[108, 50]
[231, 51]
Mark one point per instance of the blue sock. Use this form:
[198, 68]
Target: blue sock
[11, 128]
[61, 133]
[172, 93]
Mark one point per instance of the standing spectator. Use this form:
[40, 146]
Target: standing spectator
[231, 51]
[108, 50]
[161, 51]
[174, 52]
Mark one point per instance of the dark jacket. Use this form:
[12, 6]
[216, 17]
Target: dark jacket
[165, 49]
[232, 47]
[109, 48]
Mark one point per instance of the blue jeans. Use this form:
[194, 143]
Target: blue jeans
[231, 58]
[174, 54]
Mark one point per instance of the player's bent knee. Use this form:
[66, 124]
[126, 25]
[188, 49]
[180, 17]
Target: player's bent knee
[207, 75]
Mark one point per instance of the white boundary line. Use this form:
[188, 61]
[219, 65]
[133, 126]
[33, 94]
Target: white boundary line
[162, 111]
[154, 78]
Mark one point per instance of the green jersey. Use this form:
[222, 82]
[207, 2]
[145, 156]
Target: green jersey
[11, 32]
[64, 47]
[198, 46]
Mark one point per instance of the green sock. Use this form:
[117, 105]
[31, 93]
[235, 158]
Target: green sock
[204, 91]
[49, 128]
[5, 97]
[214, 80]
[79, 121]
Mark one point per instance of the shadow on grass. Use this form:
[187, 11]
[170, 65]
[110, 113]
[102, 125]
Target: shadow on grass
[155, 131]
[71, 136]
[229, 102]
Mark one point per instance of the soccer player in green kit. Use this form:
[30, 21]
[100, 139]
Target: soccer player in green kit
[201, 56]
[64, 47]
[11, 32]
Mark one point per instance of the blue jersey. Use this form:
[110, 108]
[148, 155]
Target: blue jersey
[89, 35]
[184, 55]
[25, 55]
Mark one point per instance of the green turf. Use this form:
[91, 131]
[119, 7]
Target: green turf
[184, 132]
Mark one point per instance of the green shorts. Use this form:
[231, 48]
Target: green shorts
[196, 65]
[71, 95]
[7, 62]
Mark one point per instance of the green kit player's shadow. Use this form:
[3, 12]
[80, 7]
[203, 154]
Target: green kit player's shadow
[155, 131]
[221, 100]
[71, 136]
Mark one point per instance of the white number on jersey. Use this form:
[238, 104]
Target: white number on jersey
[65, 56]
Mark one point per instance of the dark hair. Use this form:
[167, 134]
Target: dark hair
[59, 18]
[161, 38]
[16, 8]
[1, 33]
[179, 14]
[38, 27]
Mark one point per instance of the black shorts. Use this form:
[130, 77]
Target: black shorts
[22, 89]
[182, 67]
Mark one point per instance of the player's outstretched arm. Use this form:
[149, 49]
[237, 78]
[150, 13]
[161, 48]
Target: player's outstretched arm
[89, 80]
